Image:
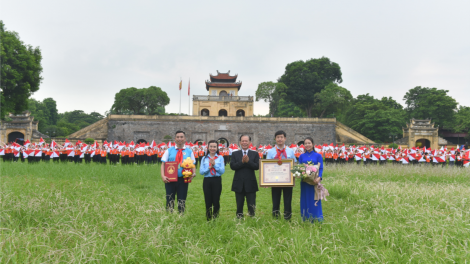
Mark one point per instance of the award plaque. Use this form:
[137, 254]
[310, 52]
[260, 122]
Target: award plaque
[171, 171]
[273, 173]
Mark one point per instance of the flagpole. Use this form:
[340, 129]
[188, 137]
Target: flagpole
[189, 98]
[180, 93]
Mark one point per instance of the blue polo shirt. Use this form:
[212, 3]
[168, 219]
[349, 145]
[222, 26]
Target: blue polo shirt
[170, 155]
[273, 152]
[219, 167]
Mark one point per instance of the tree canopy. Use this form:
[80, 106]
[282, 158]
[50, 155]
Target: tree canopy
[375, 118]
[423, 102]
[20, 71]
[272, 93]
[150, 101]
[57, 124]
[305, 79]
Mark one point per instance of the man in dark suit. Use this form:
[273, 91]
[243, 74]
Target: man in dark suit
[244, 162]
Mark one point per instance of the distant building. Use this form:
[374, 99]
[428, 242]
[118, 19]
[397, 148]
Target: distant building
[22, 127]
[421, 133]
[223, 99]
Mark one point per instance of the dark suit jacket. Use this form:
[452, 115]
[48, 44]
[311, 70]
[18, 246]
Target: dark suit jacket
[244, 172]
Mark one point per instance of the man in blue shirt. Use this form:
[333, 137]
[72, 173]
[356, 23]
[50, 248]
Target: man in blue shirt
[280, 151]
[179, 188]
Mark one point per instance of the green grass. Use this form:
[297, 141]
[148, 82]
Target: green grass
[53, 213]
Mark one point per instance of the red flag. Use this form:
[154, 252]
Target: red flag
[41, 141]
[181, 84]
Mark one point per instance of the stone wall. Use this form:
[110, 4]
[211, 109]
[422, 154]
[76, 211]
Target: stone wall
[261, 129]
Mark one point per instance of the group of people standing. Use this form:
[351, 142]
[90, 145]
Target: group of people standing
[245, 185]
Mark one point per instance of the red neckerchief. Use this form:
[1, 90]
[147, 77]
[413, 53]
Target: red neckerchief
[280, 152]
[179, 156]
[212, 170]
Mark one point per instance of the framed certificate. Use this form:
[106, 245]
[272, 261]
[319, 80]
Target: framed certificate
[273, 174]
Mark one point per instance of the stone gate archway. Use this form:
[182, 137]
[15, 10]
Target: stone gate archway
[17, 137]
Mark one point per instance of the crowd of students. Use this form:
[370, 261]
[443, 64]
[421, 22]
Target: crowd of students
[129, 154]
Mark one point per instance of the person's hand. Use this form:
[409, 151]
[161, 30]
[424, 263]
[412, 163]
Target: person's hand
[317, 180]
[165, 179]
[212, 162]
[245, 159]
[192, 176]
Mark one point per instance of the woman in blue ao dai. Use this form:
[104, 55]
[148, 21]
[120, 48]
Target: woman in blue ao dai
[308, 209]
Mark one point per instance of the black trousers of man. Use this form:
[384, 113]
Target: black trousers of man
[212, 187]
[180, 189]
[276, 193]
[250, 202]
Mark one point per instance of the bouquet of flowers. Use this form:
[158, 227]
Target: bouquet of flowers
[309, 173]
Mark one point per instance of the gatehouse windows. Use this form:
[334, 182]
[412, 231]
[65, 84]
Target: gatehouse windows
[222, 112]
[205, 112]
[240, 112]
[223, 93]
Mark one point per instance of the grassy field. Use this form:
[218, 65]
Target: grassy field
[53, 213]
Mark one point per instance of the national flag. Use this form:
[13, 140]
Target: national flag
[41, 141]
[358, 156]
[181, 84]
[466, 159]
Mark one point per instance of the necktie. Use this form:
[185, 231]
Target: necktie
[212, 170]
[280, 153]
[179, 156]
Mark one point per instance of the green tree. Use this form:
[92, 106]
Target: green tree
[289, 109]
[305, 79]
[135, 101]
[20, 69]
[374, 118]
[271, 93]
[332, 99]
[462, 120]
[423, 102]
[40, 113]
[51, 105]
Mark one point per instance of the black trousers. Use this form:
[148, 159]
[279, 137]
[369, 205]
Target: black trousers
[250, 202]
[276, 193]
[212, 187]
[180, 189]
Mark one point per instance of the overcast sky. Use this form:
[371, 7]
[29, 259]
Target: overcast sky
[92, 49]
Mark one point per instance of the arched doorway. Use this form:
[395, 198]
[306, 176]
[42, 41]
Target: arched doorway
[300, 143]
[198, 141]
[223, 141]
[223, 93]
[423, 143]
[222, 112]
[205, 112]
[240, 112]
[17, 137]
[141, 141]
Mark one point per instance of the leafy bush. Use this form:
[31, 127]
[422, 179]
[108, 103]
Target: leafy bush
[393, 145]
[89, 141]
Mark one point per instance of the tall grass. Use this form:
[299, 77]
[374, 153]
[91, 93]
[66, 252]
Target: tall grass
[53, 213]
